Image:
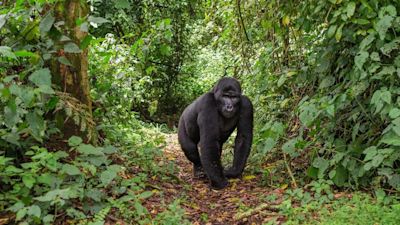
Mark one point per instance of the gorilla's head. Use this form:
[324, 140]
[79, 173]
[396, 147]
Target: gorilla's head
[227, 93]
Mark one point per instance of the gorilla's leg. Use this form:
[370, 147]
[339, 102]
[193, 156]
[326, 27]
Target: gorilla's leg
[191, 152]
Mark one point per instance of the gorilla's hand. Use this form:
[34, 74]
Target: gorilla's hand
[231, 172]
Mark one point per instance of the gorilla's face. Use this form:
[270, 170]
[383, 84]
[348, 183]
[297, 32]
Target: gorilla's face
[227, 93]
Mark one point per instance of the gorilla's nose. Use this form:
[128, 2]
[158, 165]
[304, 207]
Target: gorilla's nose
[229, 108]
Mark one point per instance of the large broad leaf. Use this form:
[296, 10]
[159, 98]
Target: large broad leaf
[290, 147]
[46, 23]
[122, 4]
[391, 139]
[36, 125]
[383, 25]
[340, 176]
[35, 211]
[74, 141]
[7, 52]
[360, 59]
[10, 114]
[97, 20]
[269, 144]
[55, 194]
[322, 164]
[2, 20]
[339, 33]
[107, 176]
[366, 42]
[28, 180]
[351, 7]
[71, 47]
[89, 150]
[308, 114]
[41, 77]
[71, 169]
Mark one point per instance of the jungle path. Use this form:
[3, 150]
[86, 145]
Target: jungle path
[243, 202]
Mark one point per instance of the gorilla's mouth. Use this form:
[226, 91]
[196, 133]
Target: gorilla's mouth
[228, 114]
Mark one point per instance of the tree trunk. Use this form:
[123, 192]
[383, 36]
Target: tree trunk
[73, 80]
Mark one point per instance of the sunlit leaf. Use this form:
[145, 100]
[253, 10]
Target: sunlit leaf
[46, 23]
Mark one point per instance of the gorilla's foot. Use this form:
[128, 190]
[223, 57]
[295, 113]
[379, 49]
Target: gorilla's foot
[219, 185]
[232, 173]
[198, 172]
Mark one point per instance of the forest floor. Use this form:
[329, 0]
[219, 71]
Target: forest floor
[243, 202]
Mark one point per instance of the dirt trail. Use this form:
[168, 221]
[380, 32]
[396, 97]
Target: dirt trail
[206, 206]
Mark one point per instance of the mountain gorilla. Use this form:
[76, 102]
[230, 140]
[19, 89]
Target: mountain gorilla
[208, 122]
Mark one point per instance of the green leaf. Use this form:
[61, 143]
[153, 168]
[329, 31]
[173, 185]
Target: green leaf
[327, 82]
[71, 169]
[370, 153]
[64, 60]
[350, 9]
[144, 195]
[107, 176]
[360, 21]
[48, 219]
[41, 77]
[89, 150]
[360, 59]
[54, 195]
[7, 52]
[289, 147]
[386, 96]
[86, 42]
[383, 25]
[282, 80]
[24, 53]
[387, 10]
[46, 178]
[340, 176]
[375, 57]
[387, 48]
[308, 114]
[394, 113]
[312, 172]
[338, 34]
[46, 89]
[366, 42]
[390, 139]
[28, 180]
[331, 31]
[122, 4]
[2, 20]
[36, 125]
[21, 214]
[46, 23]
[97, 20]
[322, 164]
[34, 210]
[269, 144]
[74, 141]
[110, 149]
[10, 114]
[71, 47]
[165, 50]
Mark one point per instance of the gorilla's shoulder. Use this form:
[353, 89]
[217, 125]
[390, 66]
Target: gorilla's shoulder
[246, 102]
[205, 99]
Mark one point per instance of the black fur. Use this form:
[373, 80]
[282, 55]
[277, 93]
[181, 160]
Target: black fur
[208, 122]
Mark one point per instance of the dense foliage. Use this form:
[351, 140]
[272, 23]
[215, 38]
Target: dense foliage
[323, 77]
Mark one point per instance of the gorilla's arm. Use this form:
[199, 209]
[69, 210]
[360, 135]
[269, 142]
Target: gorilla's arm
[209, 147]
[243, 139]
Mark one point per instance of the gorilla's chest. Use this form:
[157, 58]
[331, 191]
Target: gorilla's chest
[226, 126]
